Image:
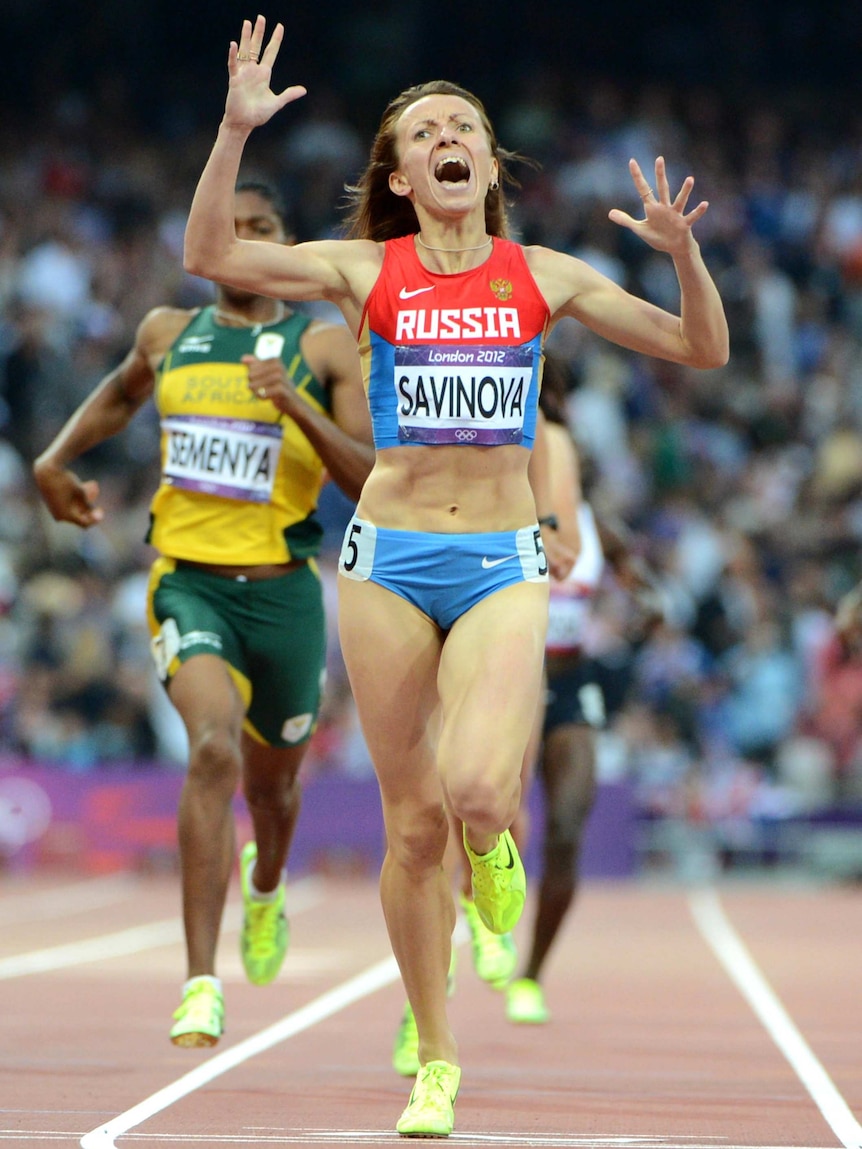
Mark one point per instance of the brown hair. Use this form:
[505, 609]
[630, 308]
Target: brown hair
[376, 212]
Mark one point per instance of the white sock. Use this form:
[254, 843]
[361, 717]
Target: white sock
[256, 894]
[214, 981]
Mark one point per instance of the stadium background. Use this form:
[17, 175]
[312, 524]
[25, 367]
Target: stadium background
[735, 728]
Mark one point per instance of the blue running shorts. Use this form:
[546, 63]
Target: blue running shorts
[442, 575]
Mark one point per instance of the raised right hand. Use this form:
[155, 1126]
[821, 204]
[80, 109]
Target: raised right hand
[250, 100]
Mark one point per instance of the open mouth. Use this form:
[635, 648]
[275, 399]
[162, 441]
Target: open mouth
[452, 170]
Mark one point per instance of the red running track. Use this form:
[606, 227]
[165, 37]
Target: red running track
[697, 1019]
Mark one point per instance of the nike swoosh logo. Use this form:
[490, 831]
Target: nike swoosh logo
[510, 865]
[488, 563]
[405, 294]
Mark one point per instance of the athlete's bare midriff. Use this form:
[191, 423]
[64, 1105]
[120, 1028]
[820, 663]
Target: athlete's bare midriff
[449, 489]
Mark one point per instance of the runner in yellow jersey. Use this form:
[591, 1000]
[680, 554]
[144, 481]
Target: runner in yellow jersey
[257, 406]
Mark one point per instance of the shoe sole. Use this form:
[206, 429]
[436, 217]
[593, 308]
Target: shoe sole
[427, 1136]
[195, 1040]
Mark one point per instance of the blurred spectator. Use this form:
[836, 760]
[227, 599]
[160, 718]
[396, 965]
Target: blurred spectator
[743, 487]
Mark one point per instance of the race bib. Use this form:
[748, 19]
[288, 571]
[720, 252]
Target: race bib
[356, 560]
[566, 619]
[462, 394]
[232, 458]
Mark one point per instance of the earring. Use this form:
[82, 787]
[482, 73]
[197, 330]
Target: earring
[495, 186]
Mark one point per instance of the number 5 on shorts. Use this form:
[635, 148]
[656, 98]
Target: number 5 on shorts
[356, 560]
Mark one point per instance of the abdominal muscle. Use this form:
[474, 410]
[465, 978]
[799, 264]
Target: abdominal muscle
[449, 489]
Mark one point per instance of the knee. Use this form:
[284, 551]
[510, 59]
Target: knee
[483, 805]
[214, 760]
[417, 841]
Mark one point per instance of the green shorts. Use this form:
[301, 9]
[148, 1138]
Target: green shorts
[272, 635]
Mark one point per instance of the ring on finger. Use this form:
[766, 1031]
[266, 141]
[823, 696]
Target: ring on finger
[649, 194]
[243, 56]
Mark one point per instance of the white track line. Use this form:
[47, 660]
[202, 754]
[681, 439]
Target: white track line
[65, 901]
[301, 895]
[384, 973]
[378, 1137]
[731, 952]
[378, 976]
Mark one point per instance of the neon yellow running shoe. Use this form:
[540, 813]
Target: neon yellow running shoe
[499, 884]
[525, 1002]
[405, 1051]
[199, 1020]
[264, 935]
[494, 955]
[430, 1111]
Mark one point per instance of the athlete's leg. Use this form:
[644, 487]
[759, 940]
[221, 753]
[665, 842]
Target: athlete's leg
[568, 771]
[212, 710]
[285, 656]
[457, 862]
[521, 825]
[273, 795]
[392, 651]
[494, 955]
[490, 681]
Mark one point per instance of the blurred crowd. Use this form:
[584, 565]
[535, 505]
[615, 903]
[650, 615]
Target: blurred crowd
[742, 487]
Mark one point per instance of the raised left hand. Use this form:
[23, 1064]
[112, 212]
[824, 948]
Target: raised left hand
[665, 225]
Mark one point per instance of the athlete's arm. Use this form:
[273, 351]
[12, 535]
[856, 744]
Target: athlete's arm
[561, 556]
[344, 442]
[342, 271]
[565, 484]
[106, 411]
[697, 337]
[632, 573]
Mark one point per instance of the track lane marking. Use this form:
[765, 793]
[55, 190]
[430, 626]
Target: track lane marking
[376, 977]
[66, 901]
[744, 973]
[372, 979]
[301, 896]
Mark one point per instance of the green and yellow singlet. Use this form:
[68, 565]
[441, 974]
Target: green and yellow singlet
[240, 481]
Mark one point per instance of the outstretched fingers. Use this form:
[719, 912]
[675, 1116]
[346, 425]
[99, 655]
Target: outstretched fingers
[255, 44]
[270, 52]
[661, 181]
[641, 183]
[683, 193]
[248, 57]
[680, 201]
[696, 212]
[661, 226]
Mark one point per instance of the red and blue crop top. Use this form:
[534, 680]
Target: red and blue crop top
[453, 358]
